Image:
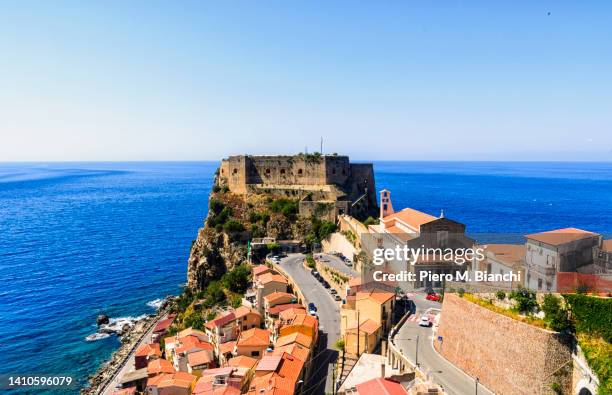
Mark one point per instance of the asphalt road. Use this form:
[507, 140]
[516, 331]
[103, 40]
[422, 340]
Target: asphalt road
[454, 380]
[130, 364]
[336, 263]
[321, 378]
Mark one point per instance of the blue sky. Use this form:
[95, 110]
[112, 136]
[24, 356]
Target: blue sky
[378, 80]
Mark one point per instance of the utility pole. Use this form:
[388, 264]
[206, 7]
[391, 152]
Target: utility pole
[358, 334]
[321, 145]
[334, 378]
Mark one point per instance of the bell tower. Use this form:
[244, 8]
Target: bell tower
[386, 208]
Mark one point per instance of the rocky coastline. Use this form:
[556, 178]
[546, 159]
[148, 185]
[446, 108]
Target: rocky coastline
[130, 338]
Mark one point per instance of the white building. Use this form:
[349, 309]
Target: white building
[561, 250]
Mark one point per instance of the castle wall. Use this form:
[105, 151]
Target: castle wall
[508, 356]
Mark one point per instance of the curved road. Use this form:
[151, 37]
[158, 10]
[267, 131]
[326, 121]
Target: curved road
[321, 377]
[454, 380]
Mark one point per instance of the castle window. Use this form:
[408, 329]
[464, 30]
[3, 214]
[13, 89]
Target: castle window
[282, 171]
[343, 172]
[235, 171]
[385, 207]
[267, 171]
[300, 171]
[334, 171]
[385, 194]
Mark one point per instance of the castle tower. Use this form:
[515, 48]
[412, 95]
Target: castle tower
[386, 208]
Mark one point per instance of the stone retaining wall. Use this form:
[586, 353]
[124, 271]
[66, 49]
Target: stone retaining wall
[508, 356]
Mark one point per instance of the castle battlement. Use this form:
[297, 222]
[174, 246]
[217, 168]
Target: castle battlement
[320, 178]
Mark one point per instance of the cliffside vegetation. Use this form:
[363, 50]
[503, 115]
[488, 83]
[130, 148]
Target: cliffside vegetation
[593, 321]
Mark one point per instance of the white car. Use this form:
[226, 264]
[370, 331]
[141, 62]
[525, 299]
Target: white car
[424, 321]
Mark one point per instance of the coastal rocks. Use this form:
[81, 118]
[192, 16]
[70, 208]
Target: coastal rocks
[129, 340]
[102, 319]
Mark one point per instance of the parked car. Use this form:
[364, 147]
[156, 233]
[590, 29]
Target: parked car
[311, 306]
[333, 291]
[424, 321]
[337, 298]
[326, 284]
[433, 297]
[349, 263]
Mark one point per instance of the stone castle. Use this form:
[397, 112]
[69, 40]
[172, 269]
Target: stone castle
[326, 185]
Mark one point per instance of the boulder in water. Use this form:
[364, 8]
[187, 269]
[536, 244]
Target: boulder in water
[102, 319]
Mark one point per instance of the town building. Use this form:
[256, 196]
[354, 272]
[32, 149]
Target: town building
[178, 383]
[560, 250]
[602, 257]
[412, 229]
[252, 343]
[145, 354]
[503, 259]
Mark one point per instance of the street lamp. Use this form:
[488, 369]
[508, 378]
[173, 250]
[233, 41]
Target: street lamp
[477, 385]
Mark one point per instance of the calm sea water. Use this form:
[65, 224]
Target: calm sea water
[81, 239]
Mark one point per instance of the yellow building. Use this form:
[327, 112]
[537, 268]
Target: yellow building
[369, 333]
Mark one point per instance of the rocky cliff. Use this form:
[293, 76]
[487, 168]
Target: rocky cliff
[233, 220]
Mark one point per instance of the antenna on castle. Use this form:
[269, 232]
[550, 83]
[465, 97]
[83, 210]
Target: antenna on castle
[321, 145]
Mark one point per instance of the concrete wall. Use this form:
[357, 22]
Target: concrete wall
[508, 356]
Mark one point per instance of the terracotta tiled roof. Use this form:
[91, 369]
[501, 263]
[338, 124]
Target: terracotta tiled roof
[254, 337]
[282, 307]
[243, 311]
[270, 277]
[400, 233]
[269, 363]
[221, 320]
[189, 344]
[280, 382]
[377, 295]
[411, 217]
[242, 361]
[295, 349]
[289, 314]
[279, 296]
[290, 368]
[193, 332]
[260, 269]
[200, 358]
[560, 236]
[295, 337]
[178, 379]
[227, 347]
[148, 350]
[163, 325]
[305, 320]
[509, 254]
[368, 326]
[160, 366]
[381, 386]
[271, 384]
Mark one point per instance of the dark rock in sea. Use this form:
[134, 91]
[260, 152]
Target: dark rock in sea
[102, 319]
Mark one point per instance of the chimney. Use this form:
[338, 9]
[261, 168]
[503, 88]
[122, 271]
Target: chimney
[386, 208]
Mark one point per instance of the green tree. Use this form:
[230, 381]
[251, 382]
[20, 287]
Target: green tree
[370, 221]
[233, 226]
[525, 300]
[237, 279]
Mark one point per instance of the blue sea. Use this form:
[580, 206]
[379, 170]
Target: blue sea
[82, 239]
